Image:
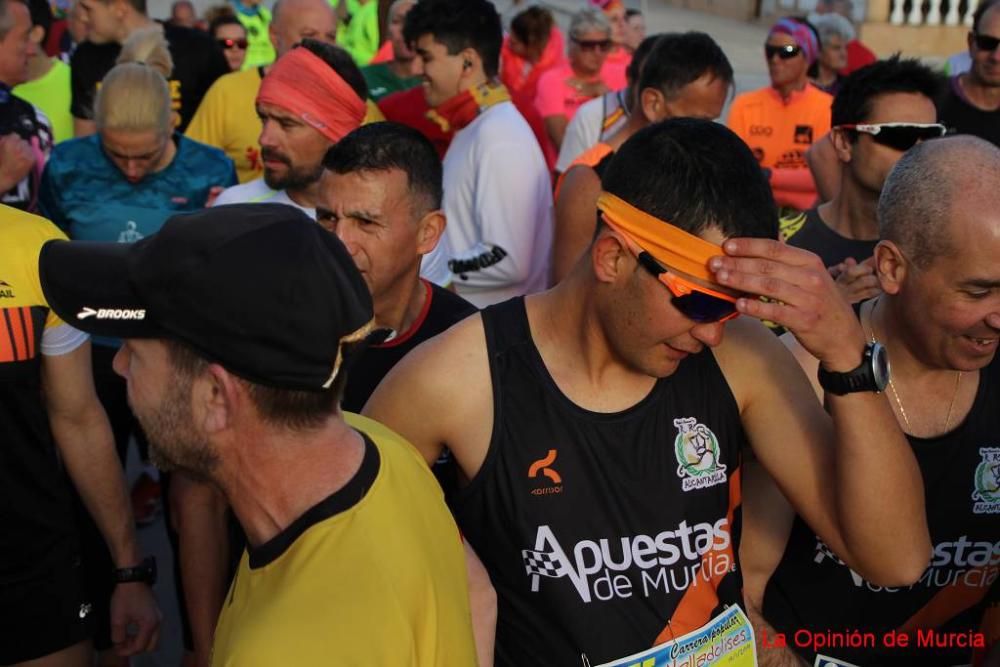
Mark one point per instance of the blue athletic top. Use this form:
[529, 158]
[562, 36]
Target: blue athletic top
[88, 197]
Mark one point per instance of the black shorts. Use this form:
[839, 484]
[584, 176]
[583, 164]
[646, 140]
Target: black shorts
[43, 615]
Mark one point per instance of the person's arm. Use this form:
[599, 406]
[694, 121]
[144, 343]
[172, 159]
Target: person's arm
[511, 204]
[836, 473]
[825, 167]
[420, 400]
[555, 127]
[482, 604]
[198, 514]
[576, 219]
[82, 433]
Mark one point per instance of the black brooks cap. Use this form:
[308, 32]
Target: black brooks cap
[259, 288]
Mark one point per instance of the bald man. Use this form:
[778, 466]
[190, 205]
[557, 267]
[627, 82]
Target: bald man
[938, 265]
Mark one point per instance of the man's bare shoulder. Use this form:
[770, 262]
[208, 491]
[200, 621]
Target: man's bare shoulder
[441, 371]
[752, 358]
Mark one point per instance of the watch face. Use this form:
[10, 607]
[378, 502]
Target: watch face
[880, 366]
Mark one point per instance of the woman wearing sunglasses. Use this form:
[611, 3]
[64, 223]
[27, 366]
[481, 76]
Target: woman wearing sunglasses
[781, 121]
[563, 89]
[231, 37]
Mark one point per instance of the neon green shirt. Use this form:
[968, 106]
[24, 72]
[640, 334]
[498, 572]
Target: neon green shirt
[260, 52]
[52, 94]
[359, 36]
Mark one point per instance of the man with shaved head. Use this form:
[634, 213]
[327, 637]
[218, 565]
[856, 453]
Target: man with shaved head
[938, 265]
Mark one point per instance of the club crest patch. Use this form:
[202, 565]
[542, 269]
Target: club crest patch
[699, 463]
[986, 493]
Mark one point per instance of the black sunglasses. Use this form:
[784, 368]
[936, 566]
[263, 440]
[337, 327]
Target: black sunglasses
[693, 304]
[594, 45]
[901, 136]
[232, 43]
[786, 52]
[985, 42]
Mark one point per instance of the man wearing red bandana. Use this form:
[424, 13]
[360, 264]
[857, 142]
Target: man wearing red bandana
[497, 190]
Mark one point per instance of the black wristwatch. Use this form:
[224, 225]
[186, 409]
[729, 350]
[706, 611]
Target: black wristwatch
[144, 572]
[871, 375]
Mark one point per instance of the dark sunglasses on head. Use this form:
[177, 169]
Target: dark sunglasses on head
[594, 44]
[232, 43]
[901, 136]
[985, 42]
[786, 52]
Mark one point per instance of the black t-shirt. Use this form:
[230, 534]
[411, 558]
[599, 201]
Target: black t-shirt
[961, 117]
[198, 62]
[809, 232]
[26, 121]
[813, 591]
[442, 309]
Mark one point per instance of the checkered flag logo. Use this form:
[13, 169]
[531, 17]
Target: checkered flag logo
[541, 563]
[823, 552]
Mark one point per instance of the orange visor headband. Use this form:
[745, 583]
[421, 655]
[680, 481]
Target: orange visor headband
[671, 246]
[301, 83]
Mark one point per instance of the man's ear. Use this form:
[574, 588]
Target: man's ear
[609, 257]
[216, 399]
[842, 144]
[36, 35]
[429, 231]
[653, 104]
[891, 266]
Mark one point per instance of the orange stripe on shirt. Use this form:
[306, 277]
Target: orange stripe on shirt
[701, 597]
[17, 334]
[29, 327]
[6, 344]
[950, 601]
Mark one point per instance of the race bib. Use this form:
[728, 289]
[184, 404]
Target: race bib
[725, 641]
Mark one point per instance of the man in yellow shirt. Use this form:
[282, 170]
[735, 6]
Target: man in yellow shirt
[226, 117]
[353, 557]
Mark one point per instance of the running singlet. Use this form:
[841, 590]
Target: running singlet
[35, 511]
[604, 534]
[372, 575]
[962, 117]
[442, 308]
[809, 232]
[813, 590]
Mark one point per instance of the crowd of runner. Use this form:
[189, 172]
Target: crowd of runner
[449, 337]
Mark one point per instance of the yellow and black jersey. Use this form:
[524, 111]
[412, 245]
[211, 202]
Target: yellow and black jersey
[372, 575]
[34, 506]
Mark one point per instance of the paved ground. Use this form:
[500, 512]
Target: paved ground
[742, 43]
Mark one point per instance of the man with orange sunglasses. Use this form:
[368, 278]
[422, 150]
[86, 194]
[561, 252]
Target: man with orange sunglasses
[603, 424]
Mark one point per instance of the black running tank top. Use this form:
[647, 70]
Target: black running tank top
[812, 592]
[605, 534]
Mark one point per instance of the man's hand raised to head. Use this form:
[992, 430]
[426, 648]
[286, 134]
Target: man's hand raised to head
[803, 297]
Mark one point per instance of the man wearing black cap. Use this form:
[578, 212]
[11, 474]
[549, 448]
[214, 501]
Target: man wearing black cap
[237, 324]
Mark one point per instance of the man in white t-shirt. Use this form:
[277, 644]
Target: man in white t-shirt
[497, 189]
